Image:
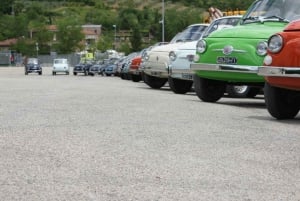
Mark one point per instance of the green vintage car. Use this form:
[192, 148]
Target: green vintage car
[230, 57]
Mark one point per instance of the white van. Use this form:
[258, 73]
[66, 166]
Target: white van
[60, 65]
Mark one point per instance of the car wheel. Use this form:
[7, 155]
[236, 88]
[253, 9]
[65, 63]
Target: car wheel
[237, 91]
[75, 73]
[281, 103]
[53, 73]
[180, 86]
[136, 78]
[155, 82]
[40, 73]
[253, 92]
[209, 90]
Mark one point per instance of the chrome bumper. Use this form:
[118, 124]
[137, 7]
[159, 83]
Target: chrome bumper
[184, 74]
[279, 71]
[225, 68]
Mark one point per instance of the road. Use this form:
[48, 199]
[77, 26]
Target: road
[106, 139]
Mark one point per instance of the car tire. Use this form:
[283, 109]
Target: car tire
[40, 73]
[155, 82]
[242, 91]
[281, 103]
[253, 92]
[136, 78]
[75, 73]
[53, 73]
[209, 90]
[179, 86]
[237, 91]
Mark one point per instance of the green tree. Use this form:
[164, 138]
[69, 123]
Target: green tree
[105, 42]
[136, 39]
[69, 36]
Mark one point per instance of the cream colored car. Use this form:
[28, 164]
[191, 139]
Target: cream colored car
[155, 65]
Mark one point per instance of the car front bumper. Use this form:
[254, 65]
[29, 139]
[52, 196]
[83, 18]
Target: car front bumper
[224, 68]
[241, 74]
[279, 71]
[156, 69]
[34, 70]
[183, 74]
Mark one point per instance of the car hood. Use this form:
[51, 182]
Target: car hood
[167, 48]
[293, 26]
[188, 46]
[250, 31]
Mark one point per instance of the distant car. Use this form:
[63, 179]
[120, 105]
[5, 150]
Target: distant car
[111, 68]
[134, 69]
[33, 66]
[124, 65]
[281, 71]
[82, 68]
[95, 69]
[60, 66]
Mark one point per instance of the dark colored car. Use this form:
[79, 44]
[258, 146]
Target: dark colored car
[95, 69]
[33, 66]
[82, 68]
[110, 69]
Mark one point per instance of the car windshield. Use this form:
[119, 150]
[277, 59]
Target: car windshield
[221, 23]
[273, 10]
[60, 61]
[32, 61]
[191, 33]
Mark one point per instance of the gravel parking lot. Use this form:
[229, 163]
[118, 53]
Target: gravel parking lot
[85, 138]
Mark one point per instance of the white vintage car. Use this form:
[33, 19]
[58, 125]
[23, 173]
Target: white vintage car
[60, 66]
[180, 76]
[155, 64]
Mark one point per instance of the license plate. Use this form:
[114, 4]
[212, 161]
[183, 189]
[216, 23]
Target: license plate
[226, 60]
[187, 76]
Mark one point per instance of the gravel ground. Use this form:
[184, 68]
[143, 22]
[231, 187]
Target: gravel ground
[68, 138]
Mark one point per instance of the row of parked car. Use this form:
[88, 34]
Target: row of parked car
[106, 67]
[241, 56]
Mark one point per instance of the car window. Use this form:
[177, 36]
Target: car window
[273, 10]
[32, 61]
[222, 23]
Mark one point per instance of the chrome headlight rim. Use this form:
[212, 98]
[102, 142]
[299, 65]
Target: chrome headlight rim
[262, 48]
[145, 57]
[275, 43]
[172, 56]
[201, 46]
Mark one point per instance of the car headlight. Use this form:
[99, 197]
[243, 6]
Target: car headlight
[201, 46]
[172, 56]
[275, 43]
[261, 48]
[145, 57]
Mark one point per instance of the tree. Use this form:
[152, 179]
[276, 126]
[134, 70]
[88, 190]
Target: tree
[136, 39]
[69, 36]
[104, 43]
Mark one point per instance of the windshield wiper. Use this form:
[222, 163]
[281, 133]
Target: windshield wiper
[250, 18]
[281, 19]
